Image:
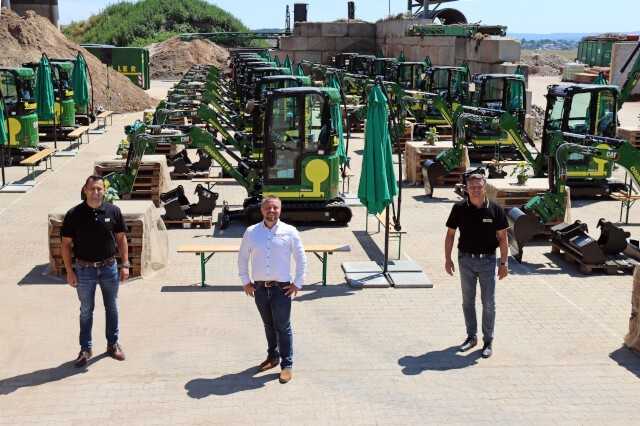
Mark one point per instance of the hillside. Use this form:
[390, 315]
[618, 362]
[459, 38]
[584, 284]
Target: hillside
[24, 39]
[151, 21]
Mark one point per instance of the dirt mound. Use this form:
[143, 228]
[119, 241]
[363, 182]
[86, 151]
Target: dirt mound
[24, 39]
[543, 63]
[173, 57]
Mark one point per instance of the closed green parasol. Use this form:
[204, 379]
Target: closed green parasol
[45, 97]
[80, 82]
[378, 184]
[4, 133]
[287, 64]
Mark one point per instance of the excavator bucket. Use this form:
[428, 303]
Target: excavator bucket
[613, 239]
[574, 239]
[431, 171]
[523, 228]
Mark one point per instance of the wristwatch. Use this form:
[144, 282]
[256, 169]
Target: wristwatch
[125, 265]
[503, 263]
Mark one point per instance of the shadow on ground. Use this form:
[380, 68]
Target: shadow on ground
[39, 275]
[228, 384]
[628, 359]
[198, 288]
[446, 359]
[318, 291]
[47, 375]
[370, 246]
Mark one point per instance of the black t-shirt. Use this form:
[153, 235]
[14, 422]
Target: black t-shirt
[478, 226]
[93, 230]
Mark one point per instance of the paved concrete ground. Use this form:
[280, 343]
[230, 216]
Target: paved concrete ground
[381, 356]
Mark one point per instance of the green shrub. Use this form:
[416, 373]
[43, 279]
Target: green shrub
[151, 21]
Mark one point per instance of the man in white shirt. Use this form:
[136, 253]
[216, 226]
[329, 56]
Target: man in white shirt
[269, 246]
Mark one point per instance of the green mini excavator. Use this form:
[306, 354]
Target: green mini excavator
[301, 161]
[17, 93]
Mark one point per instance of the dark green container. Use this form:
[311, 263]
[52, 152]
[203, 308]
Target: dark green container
[130, 61]
[595, 52]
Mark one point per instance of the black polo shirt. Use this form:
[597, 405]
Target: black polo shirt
[93, 230]
[478, 226]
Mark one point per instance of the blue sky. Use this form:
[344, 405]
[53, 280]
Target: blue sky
[521, 16]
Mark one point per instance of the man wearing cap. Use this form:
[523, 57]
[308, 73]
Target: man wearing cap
[269, 247]
[483, 228]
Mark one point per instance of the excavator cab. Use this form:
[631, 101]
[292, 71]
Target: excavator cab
[383, 67]
[342, 60]
[587, 110]
[450, 83]
[17, 88]
[504, 92]
[362, 65]
[411, 75]
[257, 107]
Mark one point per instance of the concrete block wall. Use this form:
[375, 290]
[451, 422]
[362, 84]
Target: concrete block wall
[320, 41]
[313, 40]
[619, 56]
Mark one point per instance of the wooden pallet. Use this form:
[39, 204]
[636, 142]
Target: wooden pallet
[135, 240]
[203, 222]
[614, 266]
[630, 135]
[416, 152]
[147, 183]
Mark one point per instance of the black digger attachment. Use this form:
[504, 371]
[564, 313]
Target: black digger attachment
[523, 227]
[182, 165]
[177, 206]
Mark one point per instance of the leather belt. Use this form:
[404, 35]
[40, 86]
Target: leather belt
[269, 284]
[106, 262]
[476, 255]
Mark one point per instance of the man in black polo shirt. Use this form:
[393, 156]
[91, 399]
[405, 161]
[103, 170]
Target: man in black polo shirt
[483, 227]
[95, 232]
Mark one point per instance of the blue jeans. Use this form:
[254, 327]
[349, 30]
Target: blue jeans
[472, 270]
[109, 280]
[275, 309]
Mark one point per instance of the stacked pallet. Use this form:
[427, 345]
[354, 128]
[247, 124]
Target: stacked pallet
[632, 339]
[146, 238]
[151, 181]
[416, 152]
[632, 135]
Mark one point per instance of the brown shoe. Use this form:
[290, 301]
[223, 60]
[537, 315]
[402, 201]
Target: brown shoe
[268, 364]
[115, 352]
[286, 375]
[83, 358]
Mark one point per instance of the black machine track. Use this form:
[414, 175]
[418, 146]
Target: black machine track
[333, 212]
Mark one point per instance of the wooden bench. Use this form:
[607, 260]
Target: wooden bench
[102, 117]
[78, 133]
[206, 252]
[34, 160]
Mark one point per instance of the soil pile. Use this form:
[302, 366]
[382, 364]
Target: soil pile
[543, 63]
[172, 58]
[24, 39]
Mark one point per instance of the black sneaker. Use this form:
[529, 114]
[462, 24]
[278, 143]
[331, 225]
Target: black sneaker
[486, 350]
[468, 344]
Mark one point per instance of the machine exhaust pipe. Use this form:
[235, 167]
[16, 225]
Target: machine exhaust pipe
[523, 227]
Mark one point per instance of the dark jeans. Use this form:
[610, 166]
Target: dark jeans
[472, 270]
[88, 278]
[275, 309]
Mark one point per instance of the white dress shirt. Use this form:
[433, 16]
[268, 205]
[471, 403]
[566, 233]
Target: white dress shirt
[270, 252]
